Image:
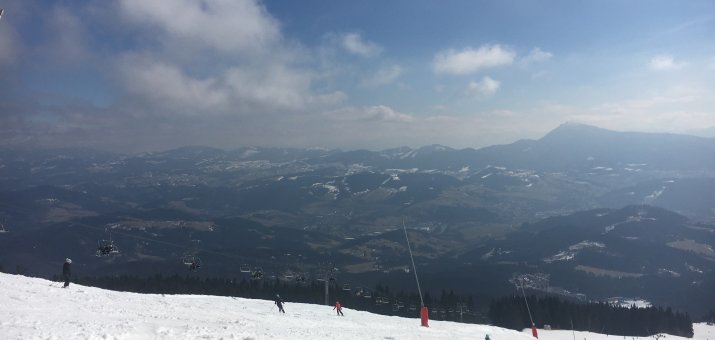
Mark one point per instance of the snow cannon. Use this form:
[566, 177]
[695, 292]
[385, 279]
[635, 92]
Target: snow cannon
[424, 315]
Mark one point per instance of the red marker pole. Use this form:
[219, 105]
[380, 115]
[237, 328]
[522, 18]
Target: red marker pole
[533, 331]
[424, 315]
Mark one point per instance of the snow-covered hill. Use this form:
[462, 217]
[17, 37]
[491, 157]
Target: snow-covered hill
[35, 308]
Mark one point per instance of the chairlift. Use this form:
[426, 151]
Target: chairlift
[188, 259]
[367, 294]
[257, 273]
[245, 268]
[192, 261]
[106, 247]
[346, 287]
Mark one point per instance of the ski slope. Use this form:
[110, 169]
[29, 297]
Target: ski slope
[35, 308]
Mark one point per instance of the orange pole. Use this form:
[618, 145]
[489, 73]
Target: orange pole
[424, 316]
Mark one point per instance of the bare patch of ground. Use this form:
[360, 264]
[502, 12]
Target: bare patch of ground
[606, 272]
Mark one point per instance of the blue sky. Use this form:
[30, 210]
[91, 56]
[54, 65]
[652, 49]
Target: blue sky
[133, 75]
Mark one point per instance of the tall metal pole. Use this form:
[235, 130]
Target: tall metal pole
[422, 302]
[527, 303]
[327, 302]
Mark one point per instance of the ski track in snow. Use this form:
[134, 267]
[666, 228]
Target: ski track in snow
[34, 309]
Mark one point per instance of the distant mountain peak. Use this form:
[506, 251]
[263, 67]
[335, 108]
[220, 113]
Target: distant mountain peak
[570, 127]
[434, 148]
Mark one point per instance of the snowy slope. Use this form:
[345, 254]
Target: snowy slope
[32, 308]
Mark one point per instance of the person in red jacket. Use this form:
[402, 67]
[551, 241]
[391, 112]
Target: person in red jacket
[338, 308]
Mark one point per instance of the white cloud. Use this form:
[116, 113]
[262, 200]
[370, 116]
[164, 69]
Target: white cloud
[484, 88]
[68, 36]
[354, 43]
[536, 56]
[539, 74]
[378, 113]
[665, 62]
[384, 76]
[678, 109]
[258, 71]
[167, 85]
[470, 60]
[10, 45]
[234, 26]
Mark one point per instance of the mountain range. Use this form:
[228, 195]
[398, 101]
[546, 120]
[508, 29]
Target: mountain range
[476, 217]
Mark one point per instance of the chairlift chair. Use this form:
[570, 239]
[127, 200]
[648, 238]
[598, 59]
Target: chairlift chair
[257, 273]
[106, 248]
[192, 261]
[188, 259]
[245, 268]
[346, 287]
[367, 294]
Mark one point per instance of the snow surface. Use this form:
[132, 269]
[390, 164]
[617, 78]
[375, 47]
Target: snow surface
[35, 308]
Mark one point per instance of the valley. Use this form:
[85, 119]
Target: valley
[607, 216]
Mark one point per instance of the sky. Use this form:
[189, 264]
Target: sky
[134, 75]
[39, 309]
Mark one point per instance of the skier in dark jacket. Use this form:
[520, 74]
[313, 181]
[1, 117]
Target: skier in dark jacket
[338, 308]
[66, 272]
[279, 303]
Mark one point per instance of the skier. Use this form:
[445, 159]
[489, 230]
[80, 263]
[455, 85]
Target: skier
[279, 303]
[66, 271]
[338, 308]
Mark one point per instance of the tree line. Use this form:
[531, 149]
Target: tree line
[604, 318]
